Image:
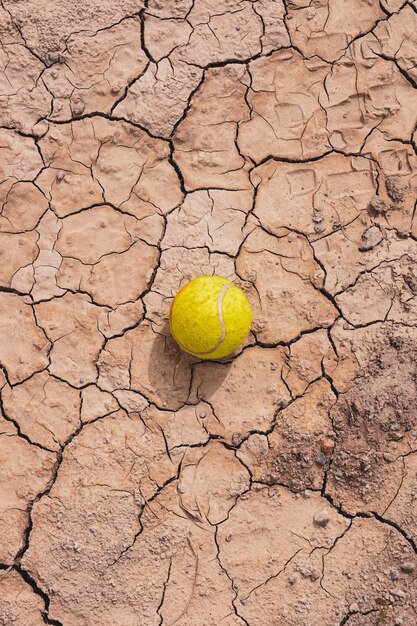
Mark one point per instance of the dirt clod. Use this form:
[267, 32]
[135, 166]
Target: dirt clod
[394, 188]
[378, 205]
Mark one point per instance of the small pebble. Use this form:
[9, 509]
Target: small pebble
[370, 238]
[228, 537]
[322, 518]
[327, 445]
[394, 574]
[78, 108]
[181, 489]
[396, 436]
[397, 593]
[354, 607]
[321, 459]
[408, 568]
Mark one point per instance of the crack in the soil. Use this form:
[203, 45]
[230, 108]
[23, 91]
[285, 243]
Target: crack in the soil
[31, 582]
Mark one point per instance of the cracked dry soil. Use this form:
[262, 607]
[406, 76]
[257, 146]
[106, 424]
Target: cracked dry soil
[270, 141]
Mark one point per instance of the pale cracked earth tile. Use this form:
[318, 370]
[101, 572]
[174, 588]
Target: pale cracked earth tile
[154, 545]
[394, 204]
[214, 32]
[398, 41]
[393, 5]
[307, 356]
[189, 426]
[205, 495]
[25, 471]
[37, 276]
[326, 27]
[170, 82]
[363, 91]
[403, 508]
[48, 261]
[104, 255]
[285, 108]
[94, 70]
[387, 293]
[149, 363]
[198, 590]
[78, 330]
[122, 443]
[96, 403]
[24, 98]
[71, 324]
[8, 29]
[22, 206]
[229, 29]
[166, 10]
[214, 217]
[205, 141]
[46, 28]
[20, 160]
[115, 279]
[47, 410]
[286, 284]
[363, 246]
[16, 250]
[96, 161]
[162, 37]
[18, 603]
[275, 34]
[181, 40]
[94, 233]
[253, 379]
[313, 198]
[24, 349]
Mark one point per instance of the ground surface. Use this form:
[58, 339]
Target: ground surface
[271, 142]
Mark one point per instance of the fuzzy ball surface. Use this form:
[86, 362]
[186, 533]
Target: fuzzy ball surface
[210, 317]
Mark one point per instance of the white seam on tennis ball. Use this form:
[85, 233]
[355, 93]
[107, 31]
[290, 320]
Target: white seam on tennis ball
[221, 320]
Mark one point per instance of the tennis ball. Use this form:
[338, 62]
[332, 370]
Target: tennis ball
[210, 317]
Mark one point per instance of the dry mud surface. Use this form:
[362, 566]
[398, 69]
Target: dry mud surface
[273, 142]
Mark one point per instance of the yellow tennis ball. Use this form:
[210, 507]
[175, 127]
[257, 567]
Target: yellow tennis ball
[210, 317]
